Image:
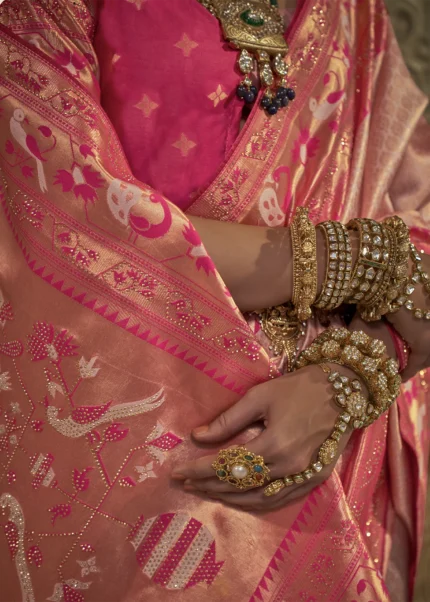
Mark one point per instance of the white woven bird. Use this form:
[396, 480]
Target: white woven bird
[29, 144]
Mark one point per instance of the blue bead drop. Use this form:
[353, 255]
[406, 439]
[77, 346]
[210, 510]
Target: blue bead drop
[266, 102]
[249, 97]
[241, 91]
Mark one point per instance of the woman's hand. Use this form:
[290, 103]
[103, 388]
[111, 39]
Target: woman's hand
[298, 415]
[416, 332]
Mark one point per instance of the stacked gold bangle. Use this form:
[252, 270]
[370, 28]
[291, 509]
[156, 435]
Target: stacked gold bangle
[367, 358]
[339, 266]
[375, 262]
[304, 243]
[377, 284]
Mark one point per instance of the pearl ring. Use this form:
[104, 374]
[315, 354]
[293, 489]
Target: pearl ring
[240, 468]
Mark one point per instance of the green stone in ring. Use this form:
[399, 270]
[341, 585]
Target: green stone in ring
[250, 19]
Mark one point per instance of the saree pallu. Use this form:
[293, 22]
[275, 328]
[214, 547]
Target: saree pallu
[118, 336]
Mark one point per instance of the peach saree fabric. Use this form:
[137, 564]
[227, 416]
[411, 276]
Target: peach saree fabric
[118, 336]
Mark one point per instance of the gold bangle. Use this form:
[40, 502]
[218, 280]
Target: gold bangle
[339, 266]
[375, 263]
[305, 283]
[366, 357]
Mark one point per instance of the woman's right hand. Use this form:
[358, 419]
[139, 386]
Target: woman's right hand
[298, 414]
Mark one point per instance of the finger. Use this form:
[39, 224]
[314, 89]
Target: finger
[202, 468]
[256, 501]
[246, 411]
[197, 469]
[213, 486]
[248, 500]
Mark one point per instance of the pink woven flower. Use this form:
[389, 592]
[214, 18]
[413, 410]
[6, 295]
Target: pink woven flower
[197, 250]
[305, 147]
[45, 342]
[83, 181]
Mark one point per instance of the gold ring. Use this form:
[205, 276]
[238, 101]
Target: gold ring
[240, 468]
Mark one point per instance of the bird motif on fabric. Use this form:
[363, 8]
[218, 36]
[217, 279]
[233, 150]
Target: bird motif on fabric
[125, 200]
[29, 144]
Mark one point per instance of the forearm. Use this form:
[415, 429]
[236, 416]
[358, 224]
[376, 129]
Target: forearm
[255, 262]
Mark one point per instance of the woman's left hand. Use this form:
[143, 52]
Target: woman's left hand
[298, 415]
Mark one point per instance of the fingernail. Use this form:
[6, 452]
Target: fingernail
[178, 476]
[189, 487]
[200, 430]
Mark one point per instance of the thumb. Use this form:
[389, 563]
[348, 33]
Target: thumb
[244, 412]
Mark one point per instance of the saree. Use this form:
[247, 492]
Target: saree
[118, 336]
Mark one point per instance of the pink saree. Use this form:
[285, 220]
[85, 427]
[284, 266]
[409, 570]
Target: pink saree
[117, 335]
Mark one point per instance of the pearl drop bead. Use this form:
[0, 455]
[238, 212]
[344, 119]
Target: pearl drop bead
[239, 471]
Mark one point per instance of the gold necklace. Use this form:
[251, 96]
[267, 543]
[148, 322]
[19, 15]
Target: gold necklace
[256, 28]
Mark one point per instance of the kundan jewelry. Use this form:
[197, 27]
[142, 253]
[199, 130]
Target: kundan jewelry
[241, 468]
[339, 266]
[283, 329]
[419, 276]
[256, 28]
[367, 358]
[305, 282]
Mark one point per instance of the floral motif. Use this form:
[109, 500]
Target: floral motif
[81, 482]
[146, 105]
[54, 388]
[126, 278]
[45, 342]
[305, 147]
[34, 556]
[60, 511]
[184, 145]
[82, 181]
[197, 250]
[145, 472]
[6, 312]
[88, 566]
[70, 61]
[186, 44]
[67, 241]
[181, 310]
[68, 591]
[5, 381]
[218, 96]
[86, 369]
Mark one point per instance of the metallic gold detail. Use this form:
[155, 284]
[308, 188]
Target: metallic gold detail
[236, 17]
[283, 329]
[327, 452]
[303, 237]
[241, 468]
[274, 487]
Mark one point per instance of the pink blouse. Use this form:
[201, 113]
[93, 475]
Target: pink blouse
[168, 85]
